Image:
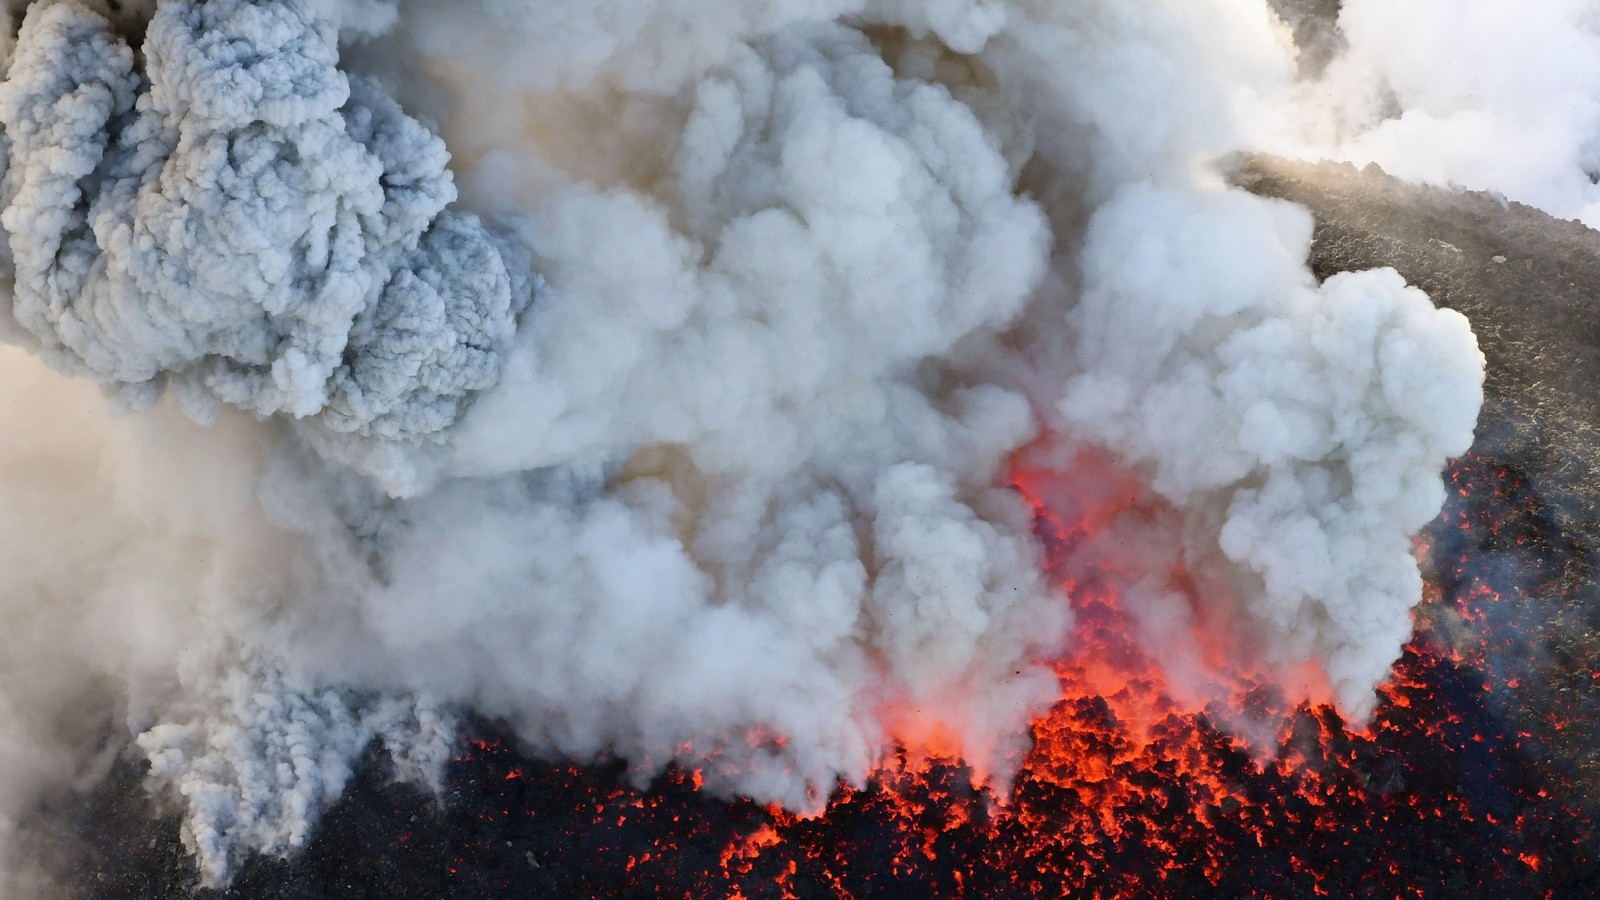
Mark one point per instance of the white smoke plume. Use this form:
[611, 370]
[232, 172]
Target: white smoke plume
[1491, 95]
[1322, 411]
[683, 434]
[261, 757]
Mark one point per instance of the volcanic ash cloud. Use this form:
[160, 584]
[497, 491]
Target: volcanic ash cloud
[686, 439]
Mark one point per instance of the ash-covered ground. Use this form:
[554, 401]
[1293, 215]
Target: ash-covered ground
[1480, 778]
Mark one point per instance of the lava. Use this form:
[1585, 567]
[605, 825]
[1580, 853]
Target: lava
[1471, 778]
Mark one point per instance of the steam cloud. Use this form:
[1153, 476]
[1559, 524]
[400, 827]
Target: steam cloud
[683, 435]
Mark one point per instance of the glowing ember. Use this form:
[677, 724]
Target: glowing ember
[1128, 794]
[1463, 783]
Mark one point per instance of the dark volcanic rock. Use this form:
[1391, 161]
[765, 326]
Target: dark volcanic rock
[1530, 285]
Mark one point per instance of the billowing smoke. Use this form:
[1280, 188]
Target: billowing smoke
[683, 433]
[246, 226]
[1322, 412]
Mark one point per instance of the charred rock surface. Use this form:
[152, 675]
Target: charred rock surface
[1530, 285]
[1475, 779]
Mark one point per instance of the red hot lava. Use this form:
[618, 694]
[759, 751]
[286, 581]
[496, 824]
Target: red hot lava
[1474, 777]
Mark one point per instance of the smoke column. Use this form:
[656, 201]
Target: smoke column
[650, 374]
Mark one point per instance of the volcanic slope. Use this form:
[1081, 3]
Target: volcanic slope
[1530, 285]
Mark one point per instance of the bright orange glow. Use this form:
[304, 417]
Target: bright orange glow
[1138, 787]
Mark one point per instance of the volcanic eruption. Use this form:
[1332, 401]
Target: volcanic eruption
[794, 448]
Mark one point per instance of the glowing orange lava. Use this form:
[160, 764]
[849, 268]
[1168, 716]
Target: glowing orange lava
[1136, 787]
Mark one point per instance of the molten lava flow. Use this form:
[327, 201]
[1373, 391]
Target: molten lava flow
[1464, 783]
